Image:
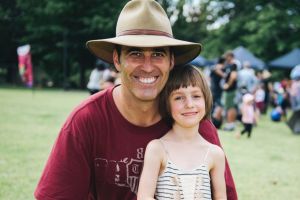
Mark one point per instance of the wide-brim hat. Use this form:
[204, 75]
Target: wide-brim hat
[144, 23]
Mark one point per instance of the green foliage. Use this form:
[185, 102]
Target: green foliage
[58, 30]
[268, 29]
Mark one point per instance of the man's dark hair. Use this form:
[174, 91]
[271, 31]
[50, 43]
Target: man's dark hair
[118, 49]
[221, 60]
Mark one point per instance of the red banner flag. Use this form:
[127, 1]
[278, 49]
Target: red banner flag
[25, 65]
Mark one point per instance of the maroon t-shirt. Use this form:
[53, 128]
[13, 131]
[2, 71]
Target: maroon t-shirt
[99, 154]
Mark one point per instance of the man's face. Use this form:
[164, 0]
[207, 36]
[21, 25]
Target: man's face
[144, 71]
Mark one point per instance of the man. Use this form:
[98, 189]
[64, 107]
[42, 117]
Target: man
[247, 79]
[230, 87]
[98, 75]
[216, 75]
[99, 151]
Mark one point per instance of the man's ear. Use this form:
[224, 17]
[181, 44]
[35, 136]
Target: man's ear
[116, 60]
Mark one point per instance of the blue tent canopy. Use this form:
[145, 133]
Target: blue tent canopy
[242, 54]
[287, 61]
[200, 61]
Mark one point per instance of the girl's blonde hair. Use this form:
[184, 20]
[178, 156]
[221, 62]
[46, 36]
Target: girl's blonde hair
[184, 76]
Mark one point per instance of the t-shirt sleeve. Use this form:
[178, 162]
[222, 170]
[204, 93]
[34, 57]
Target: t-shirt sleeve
[209, 132]
[67, 172]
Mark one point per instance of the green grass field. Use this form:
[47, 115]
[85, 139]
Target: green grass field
[267, 166]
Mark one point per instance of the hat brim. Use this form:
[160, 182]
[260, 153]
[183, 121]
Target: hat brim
[183, 51]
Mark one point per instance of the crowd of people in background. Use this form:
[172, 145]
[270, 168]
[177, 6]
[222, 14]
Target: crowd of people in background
[102, 76]
[240, 93]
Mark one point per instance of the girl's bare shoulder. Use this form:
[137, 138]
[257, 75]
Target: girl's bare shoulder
[216, 151]
[155, 147]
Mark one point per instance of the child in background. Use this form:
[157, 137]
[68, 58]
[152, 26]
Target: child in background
[182, 164]
[248, 114]
[260, 96]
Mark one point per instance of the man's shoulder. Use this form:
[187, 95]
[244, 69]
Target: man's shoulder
[207, 124]
[209, 132]
[97, 99]
[93, 107]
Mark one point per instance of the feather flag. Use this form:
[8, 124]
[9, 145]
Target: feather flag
[25, 65]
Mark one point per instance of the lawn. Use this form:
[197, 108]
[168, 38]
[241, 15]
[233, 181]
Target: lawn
[264, 167]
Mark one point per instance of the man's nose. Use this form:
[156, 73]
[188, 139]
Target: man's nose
[147, 65]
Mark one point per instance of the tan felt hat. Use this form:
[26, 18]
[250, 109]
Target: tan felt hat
[144, 23]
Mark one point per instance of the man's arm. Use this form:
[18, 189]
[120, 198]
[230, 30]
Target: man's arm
[209, 132]
[219, 71]
[232, 78]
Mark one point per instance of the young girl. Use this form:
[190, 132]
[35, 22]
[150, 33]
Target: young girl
[182, 164]
[248, 114]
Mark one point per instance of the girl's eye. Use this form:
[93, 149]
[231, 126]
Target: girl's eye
[178, 98]
[197, 96]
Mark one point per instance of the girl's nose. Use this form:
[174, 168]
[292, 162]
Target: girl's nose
[189, 102]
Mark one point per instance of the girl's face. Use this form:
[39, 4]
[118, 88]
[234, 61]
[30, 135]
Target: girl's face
[187, 106]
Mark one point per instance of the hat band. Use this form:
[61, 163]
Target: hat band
[144, 32]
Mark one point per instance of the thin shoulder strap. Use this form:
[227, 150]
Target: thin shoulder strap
[206, 154]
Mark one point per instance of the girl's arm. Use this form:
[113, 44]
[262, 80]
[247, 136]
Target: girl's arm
[217, 174]
[151, 169]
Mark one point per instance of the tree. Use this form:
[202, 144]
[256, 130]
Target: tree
[267, 28]
[11, 30]
[58, 30]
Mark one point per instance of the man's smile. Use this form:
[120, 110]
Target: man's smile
[146, 80]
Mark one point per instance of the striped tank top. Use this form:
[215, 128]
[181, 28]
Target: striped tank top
[175, 183]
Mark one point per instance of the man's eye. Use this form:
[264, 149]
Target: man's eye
[135, 53]
[158, 54]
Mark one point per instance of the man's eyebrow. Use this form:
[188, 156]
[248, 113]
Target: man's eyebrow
[157, 49]
[133, 49]
[160, 49]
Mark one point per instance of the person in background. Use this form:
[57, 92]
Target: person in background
[259, 97]
[263, 77]
[230, 88]
[217, 116]
[97, 76]
[246, 78]
[110, 82]
[171, 170]
[295, 94]
[248, 115]
[216, 75]
[99, 152]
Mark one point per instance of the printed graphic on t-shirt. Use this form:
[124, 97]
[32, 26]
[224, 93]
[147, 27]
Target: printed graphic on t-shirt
[123, 173]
